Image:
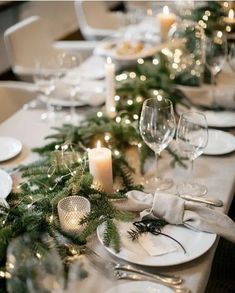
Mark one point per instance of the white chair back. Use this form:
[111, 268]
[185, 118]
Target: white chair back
[13, 95]
[27, 42]
[95, 21]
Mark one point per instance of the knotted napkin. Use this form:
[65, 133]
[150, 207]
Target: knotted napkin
[224, 95]
[223, 91]
[177, 211]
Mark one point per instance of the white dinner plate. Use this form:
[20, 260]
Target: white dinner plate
[219, 143]
[139, 287]
[5, 184]
[9, 148]
[221, 119]
[195, 244]
[109, 48]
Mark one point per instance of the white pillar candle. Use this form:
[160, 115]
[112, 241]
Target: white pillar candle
[110, 88]
[100, 165]
[230, 19]
[166, 20]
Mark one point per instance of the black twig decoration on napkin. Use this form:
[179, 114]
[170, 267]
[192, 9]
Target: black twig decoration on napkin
[153, 226]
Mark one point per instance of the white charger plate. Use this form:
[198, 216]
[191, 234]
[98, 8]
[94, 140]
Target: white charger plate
[221, 119]
[195, 244]
[9, 148]
[219, 143]
[139, 287]
[5, 184]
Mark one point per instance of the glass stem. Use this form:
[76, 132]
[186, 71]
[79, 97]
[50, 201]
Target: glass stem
[49, 108]
[156, 165]
[191, 171]
[213, 80]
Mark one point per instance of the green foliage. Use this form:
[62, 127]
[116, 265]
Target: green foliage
[63, 169]
[111, 235]
[33, 209]
[214, 21]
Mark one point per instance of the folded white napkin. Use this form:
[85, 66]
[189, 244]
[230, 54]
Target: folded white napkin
[224, 92]
[159, 245]
[137, 201]
[176, 211]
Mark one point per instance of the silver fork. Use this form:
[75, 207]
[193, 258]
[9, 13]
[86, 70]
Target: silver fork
[164, 278]
[174, 280]
[136, 277]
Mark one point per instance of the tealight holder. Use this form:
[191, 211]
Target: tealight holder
[71, 210]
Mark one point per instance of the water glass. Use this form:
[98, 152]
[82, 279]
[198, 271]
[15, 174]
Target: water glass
[45, 75]
[216, 54]
[231, 57]
[70, 82]
[192, 138]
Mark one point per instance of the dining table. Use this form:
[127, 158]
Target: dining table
[216, 172]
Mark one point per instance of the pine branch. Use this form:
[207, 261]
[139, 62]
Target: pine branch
[111, 236]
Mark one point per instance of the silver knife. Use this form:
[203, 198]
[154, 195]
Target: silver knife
[206, 200]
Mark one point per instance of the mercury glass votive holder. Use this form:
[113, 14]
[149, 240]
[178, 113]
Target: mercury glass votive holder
[71, 210]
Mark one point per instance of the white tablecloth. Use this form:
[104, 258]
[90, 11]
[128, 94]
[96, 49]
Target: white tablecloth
[216, 172]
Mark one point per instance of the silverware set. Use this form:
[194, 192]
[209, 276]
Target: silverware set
[129, 272]
[120, 275]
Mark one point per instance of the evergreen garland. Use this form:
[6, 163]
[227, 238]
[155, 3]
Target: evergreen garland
[62, 171]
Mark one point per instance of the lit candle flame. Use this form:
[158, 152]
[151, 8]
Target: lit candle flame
[109, 60]
[166, 10]
[219, 34]
[231, 14]
[98, 145]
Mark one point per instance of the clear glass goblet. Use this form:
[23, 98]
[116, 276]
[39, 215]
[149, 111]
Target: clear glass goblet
[157, 128]
[231, 57]
[70, 81]
[34, 265]
[216, 54]
[45, 75]
[192, 138]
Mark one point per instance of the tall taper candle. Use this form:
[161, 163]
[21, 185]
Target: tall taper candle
[100, 165]
[110, 88]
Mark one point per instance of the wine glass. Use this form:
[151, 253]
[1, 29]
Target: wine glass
[34, 265]
[157, 128]
[192, 137]
[231, 57]
[87, 271]
[70, 81]
[45, 74]
[216, 53]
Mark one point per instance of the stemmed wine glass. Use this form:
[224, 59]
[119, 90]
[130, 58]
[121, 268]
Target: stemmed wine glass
[231, 57]
[34, 264]
[216, 53]
[45, 74]
[157, 128]
[192, 138]
[70, 81]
